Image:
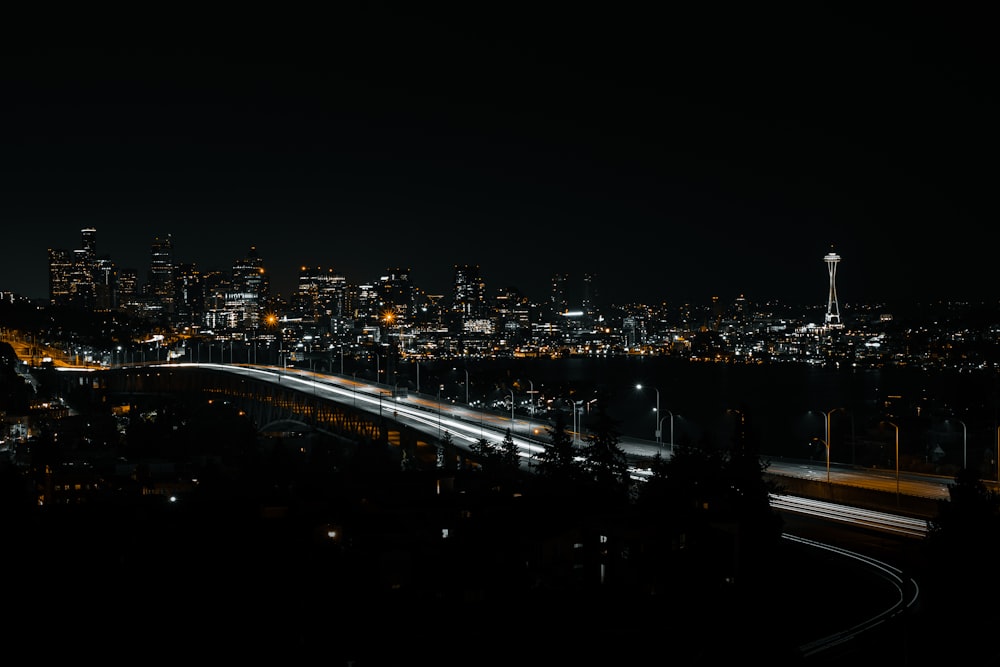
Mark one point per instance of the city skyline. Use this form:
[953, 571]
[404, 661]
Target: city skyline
[695, 157]
[577, 289]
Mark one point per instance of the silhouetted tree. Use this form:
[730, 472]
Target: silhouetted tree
[687, 486]
[746, 493]
[557, 462]
[486, 452]
[510, 457]
[651, 494]
[963, 538]
[605, 463]
[451, 456]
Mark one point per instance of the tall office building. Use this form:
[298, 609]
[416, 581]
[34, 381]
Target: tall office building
[188, 293]
[589, 304]
[105, 277]
[89, 245]
[161, 274]
[559, 298]
[320, 292]
[128, 293]
[250, 287]
[71, 274]
[469, 292]
[60, 270]
[396, 294]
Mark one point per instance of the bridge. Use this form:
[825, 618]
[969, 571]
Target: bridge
[440, 432]
[286, 400]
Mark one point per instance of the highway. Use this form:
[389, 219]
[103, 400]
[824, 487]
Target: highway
[467, 425]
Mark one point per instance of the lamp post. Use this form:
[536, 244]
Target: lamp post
[467, 388]
[440, 386]
[897, 459]
[656, 434]
[826, 438]
[572, 409]
[511, 409]
[660, 429]
[531, 416]
[827, 445]
[965, 449]
[965, 444]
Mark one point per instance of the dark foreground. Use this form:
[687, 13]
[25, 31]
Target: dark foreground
[142, 584]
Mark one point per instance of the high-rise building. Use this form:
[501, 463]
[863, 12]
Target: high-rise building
[512, 311]
[468, 292]
[559, 298]
[160, 284]
[396, 294]
[105, 276]
[71, 274]
[60, 271]
[189, 294]
[89, 246]
[589, 304]
[321, 293]
[129, 295]
[250, 286]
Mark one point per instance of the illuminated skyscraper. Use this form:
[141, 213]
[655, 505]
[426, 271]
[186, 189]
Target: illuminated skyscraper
[559, 299]
[469, 292]
[832, 307]
[250, 287]
[161, 274]
[71, 274]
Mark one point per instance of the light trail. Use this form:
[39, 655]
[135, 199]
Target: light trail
[470, 427]
[855, 516]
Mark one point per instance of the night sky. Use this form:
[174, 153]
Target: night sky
[677, 156]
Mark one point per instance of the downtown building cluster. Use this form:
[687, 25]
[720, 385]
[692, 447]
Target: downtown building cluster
[392, 316]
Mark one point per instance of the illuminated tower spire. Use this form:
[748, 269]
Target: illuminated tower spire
[832, 307]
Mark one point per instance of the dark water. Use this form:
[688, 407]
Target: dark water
[785, 403]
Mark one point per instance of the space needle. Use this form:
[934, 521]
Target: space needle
[832, 307]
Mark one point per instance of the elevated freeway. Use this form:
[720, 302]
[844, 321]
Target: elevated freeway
[422, 425]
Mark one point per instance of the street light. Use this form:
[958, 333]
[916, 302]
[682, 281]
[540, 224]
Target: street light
[897, 459]
[656, 435]
[965, 448]
[531, 415]
[511, 409]
[660, 429]
[572, 407]
[826, 439]
[827, 445]
[440, 387]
